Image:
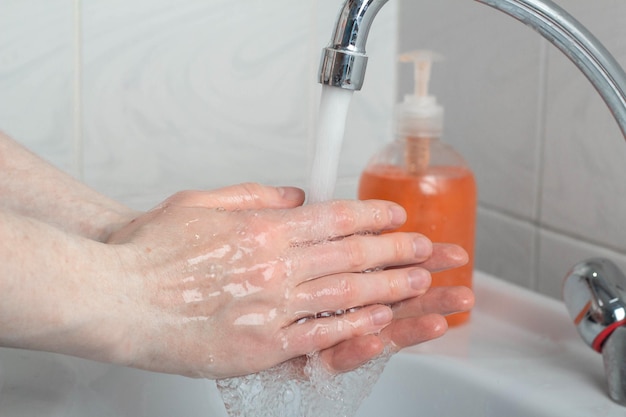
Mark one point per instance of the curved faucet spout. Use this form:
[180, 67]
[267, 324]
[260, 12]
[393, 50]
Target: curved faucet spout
[344, 60]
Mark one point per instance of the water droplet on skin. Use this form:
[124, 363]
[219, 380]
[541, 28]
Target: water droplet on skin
[256, 319]
[192, 296]
[195, 319]
[377, 215]
[218, 253]
[252, 319]
[191, 222]
[241, 290]
[214, 271]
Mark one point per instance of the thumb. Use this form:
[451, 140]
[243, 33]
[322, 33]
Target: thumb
[246, 196]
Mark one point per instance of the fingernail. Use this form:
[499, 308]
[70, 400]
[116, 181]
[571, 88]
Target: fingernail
[382, 315]
[419, 279]
[422, 246]
[290, 193]
[397, 215]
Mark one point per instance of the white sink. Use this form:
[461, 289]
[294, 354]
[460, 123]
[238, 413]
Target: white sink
[519, 356]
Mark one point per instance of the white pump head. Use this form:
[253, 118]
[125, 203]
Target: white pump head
[419, 114]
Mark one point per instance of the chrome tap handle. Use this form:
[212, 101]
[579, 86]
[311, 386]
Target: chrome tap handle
[595, 296]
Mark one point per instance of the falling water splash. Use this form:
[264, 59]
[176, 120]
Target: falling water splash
[303, 387]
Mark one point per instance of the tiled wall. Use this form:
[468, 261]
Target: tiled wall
[549, 159]
[141, 98]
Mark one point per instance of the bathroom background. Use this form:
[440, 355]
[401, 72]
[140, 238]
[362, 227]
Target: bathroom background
[142, 98]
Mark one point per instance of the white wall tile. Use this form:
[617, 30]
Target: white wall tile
[505, 247]
[36, 77]
[560, 253]
[584, 191]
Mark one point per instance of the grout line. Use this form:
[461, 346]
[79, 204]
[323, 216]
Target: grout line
[538, 228]
[78, 161]
[540, 134]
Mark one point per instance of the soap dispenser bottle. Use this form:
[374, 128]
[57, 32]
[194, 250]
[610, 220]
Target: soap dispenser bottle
[427, 177]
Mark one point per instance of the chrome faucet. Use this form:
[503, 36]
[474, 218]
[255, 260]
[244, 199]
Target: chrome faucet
[595, 295]
[595, 290]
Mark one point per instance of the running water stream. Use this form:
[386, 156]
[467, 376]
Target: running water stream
[333, 112]
[303, 387]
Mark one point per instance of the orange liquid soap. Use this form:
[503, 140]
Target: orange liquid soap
[440, 203]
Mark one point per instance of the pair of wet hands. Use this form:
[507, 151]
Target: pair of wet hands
[237, 280]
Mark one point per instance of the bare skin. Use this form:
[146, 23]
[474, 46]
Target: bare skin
[201, 284]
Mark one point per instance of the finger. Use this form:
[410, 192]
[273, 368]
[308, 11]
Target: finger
[437, 300]
[315, 335]
[361, 253]
[344, 291]
[329, 220]
[247, 196]
[415, 330]
[352, 353]
[445, 256]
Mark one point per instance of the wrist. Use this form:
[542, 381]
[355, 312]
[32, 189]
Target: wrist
[60, 292]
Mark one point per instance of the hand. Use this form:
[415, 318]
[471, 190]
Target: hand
[217, 283]
[416, 320]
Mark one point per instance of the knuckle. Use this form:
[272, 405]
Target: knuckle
[397, 284]
[180, 198]
[344, 215]
[321, 336]
[349, 291]
[252, 190]
[379, 215]
[402, 247]
[355, 254]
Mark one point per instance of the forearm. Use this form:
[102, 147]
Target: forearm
[30, 186]
[56, 289]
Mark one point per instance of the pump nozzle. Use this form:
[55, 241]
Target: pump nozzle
[419, 115]
[419, 118]
[422, 61]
